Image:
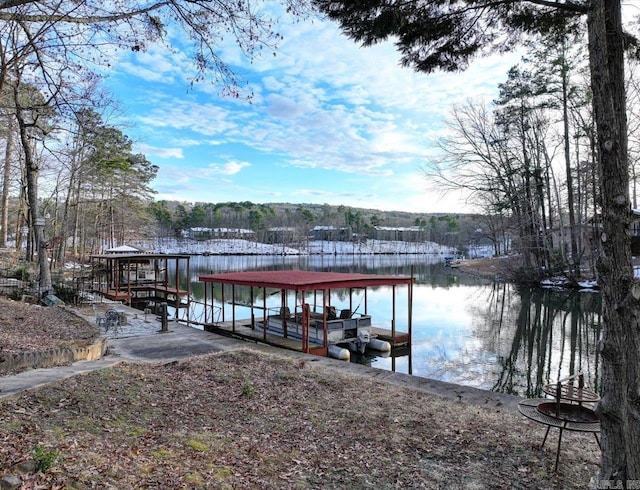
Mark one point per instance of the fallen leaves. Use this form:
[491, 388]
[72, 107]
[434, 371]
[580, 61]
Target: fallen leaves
[194, 424]
[26, 327]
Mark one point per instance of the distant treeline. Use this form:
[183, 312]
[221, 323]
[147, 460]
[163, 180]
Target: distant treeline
[174, 218]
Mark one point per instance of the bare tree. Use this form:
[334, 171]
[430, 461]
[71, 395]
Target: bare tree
[61, 42]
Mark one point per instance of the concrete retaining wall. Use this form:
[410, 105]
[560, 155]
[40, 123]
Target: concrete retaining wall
[52, 357]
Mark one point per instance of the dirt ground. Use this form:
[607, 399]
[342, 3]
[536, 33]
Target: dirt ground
[244, 419]
[495, 268]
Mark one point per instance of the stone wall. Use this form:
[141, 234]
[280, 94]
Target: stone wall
[53, 357]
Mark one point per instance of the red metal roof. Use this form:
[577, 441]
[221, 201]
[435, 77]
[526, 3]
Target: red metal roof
[304, 280]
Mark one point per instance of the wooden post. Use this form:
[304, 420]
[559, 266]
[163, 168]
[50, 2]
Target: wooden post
[393, 312]
[188, 289]
[283, 306]
[410, 321]
[264, 312]
[164, 317]
[205, 303]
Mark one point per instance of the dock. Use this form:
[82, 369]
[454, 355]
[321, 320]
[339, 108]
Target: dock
[140, 280]
[242, 329]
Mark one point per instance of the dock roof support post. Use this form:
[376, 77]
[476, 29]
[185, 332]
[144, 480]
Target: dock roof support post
[113, 275]
[393, 311]
[264, 304]
[177, 283]
[264, 312]
[165, 277]
[205, 303]
[233, 308]
[410, 320]
[128, 282]
[221, 298]
[253, 321]
[283, 305]
[324, 318]
[306, 318]
[188, 288]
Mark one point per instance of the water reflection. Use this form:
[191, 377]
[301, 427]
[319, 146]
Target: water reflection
[539, 335]
[465, 330]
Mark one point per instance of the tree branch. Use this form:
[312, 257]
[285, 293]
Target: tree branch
[28, 18]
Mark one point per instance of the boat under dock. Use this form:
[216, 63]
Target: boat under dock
[312, 324]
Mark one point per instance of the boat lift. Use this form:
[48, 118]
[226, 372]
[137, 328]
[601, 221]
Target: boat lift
[312, 327]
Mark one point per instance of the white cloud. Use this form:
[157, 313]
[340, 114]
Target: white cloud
[323, 105]
[229, 168]
[184, 142]
[149, 150]
[190, 115]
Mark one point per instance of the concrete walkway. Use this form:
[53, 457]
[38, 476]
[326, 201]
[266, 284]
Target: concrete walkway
[141, 340]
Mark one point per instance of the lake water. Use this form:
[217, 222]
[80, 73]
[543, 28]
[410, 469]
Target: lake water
[466, 330]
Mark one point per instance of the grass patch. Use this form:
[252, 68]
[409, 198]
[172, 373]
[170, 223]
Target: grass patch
[199, 446]
[44, 458]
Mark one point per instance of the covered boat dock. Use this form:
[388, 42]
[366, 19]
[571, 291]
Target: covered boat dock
[313, 324]
[141, 280]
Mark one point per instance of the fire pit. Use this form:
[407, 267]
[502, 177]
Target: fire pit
[570, 412]
[567, 411]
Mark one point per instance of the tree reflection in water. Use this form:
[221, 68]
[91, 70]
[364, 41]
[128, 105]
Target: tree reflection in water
[544, 335]
[465, 330]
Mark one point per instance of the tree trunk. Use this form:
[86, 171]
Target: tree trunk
[31, 171]
[76, 243]
[8, 157]
[619, 346]
[575, 254]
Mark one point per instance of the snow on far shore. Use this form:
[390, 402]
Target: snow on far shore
[245, 247]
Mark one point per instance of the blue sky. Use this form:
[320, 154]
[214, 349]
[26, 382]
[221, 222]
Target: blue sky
[329, 122]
